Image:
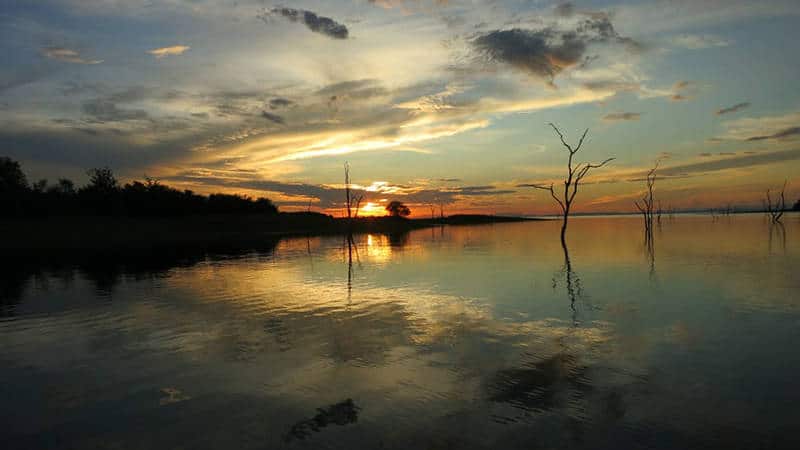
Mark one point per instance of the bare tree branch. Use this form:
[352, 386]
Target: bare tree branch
[574, 176]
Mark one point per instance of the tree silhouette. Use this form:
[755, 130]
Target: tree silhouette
[64, 187]
[397, 209]
[797, 206]
[102, 180]
[13, 187]
[646, 207]
[12, 179]
[574, 176]
[103, 195]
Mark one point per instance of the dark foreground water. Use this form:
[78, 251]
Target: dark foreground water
[460, 337]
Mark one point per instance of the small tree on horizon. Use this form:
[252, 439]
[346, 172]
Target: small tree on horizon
[102, 180]
[398, 209]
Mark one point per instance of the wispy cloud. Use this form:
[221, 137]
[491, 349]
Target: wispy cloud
[622, 116]
[763, 128]
[273, 117]
[732, 109]
[781, 134]
[163, 52]
[404, 4]
[699, 41]
[67, 55]
[747, 160]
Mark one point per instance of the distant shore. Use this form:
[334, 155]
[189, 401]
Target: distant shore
[109, 233]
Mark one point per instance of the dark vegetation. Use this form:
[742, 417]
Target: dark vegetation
[104, 196]
[104, 215]
[398, 209]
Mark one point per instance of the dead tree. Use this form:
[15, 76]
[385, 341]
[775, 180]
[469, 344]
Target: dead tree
[646, 207]
[575, 175]
[775, 207]
[352, 203]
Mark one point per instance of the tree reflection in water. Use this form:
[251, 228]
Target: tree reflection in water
[777, 232]
[572, 282]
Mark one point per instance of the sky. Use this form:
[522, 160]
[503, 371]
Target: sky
[430, 102]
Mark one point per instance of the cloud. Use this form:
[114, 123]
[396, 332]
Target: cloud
[547, 52]
[681, 89]
[565, 9]
[782, 134]
[273, 118]
[389, 4]
[67, 55]
[163, 52]
[20, 76]
[699, 41]
[732, 109]
[752, 129]
[622, 116]
[730, 163]
[277, 103]
[317, 24]
[332, 196]
[104, 110]
[355, 89]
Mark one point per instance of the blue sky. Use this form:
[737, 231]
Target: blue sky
[429, 101]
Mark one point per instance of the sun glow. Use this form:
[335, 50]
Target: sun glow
[372, 209]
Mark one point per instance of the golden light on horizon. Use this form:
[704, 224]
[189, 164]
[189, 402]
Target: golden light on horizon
[372, 209]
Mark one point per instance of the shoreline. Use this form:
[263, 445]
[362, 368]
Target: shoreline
[92, 233]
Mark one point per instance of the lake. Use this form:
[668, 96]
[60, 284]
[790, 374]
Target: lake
[452, 337]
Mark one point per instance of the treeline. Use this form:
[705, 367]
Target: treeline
[104, 195]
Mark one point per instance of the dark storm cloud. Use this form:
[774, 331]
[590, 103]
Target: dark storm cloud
[732, 109]
[317, 24]
[273, 118]
[547, 52]
[783, 134]
[615, 117]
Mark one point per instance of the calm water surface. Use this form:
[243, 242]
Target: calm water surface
[459, 337]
